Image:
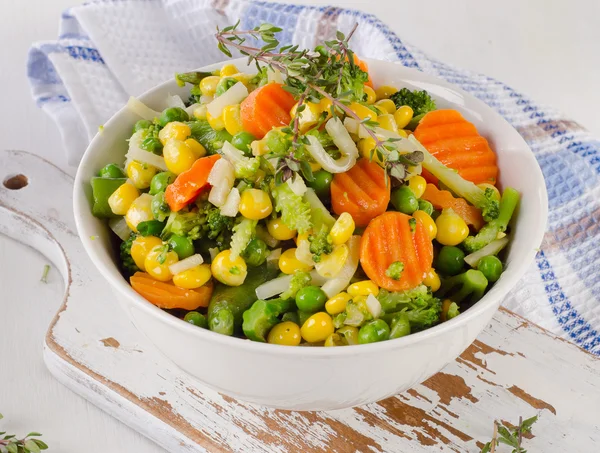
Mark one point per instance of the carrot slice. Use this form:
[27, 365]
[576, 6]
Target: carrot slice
[456, 143]
[389, 238]
[442, 199]
[188, 184]
[167, 295]
[265, 108]
[361, 192]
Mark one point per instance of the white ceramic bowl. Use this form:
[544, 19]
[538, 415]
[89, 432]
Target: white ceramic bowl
[305, 378]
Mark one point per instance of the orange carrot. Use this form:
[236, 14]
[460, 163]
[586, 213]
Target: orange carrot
[167, 295]
[442, 199]
[265, 108]
[389, 238]
[361, 192]
[456, 143]
[188, 184]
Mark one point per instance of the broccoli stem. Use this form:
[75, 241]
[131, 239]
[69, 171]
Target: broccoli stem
[468, 285]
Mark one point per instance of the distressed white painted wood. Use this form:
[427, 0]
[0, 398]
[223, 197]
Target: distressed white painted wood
[513, 369]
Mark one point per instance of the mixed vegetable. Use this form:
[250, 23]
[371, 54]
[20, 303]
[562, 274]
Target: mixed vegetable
[303, 205]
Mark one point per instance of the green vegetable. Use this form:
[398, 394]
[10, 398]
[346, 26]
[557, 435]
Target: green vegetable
[311, 299]
[450, 260]
[394, 271]
[148, 138]
[320, 244]
[493, 248]
[245, 167]
[242, 235]
[469, 285]
[150, 228]
[159, 207]
[374, 331]
[508, 204]
[256, 252]
[128, 266]
[160, 181]
[299, 280]
[349, 335]
[224, 84]
[242, 141]
[319, 214]
[400, 326]
[112, 171]
[452, 311]
[204, 222]
[352, 81]
[426, 206]
[102, 189]
[196, 319]
[295, 212]
[321, 184]
[404, 200]
[420, 101]
[172, 114]
[181, 245]
[423, 310]
[209, 138]
[491, 267]
[235, 300]
[303, 316]
[193, 78]
[153, 145]
[291, 316]
[262, 316]
[276, 142]
[141, 124]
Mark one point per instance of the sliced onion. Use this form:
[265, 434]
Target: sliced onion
[340, 136]
[119, 226]
[303, 252]
[274, 255]
[187, 263]
[214, 251]
[342, 280]
[141, 155]
[221, 177]
[175, 101]
[264, 235]
[279, 285]
[141, 109]
[190, 110]
[344, 163]
[374, 306]
[234, 95]
[298, 186]
[231, 206]
[206, 99]
[493, 248]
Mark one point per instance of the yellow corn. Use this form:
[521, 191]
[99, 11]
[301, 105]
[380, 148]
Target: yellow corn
[385, 91]
[157, 263]
[255, 204]
[229, 271]
[427, 222]
[342, 229]
[208, 85]
[200, 112]
[259, 147]
[228, 70]
[122, 198]
[331, 265]
[432, 280]
[403, 116]
[484, 185]
[216, 123]
[140, 174]
[451, 228]
[308, 117]
[386, 106]
[193, 278]
[176, 130]
[140, 248]
[333, 340]
[418, 185]
[196, 147]
[179, 156]
[279, 230]
[317, 328]
[366, 147]
[314, 166]
[337, 303]
[371, 95]
[387, 122]
[242, 77]
[363, 288]
[288, 263]
[363, 111]
[139, 211]
[285, 333]
[232, 119]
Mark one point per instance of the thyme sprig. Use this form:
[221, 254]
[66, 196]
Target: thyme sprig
[513, 438]
[28, 444]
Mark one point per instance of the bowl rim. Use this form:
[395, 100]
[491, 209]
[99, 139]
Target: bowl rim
[518, 267]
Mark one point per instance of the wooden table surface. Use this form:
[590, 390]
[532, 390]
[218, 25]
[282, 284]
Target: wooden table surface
[535, 47]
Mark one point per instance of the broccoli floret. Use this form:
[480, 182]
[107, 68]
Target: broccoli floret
[484, 200]
[295, 212]
[320, 244]
[419, 101]
[209, 138]
[353, 81]
[423, 310]
[450, 311]
[204, 222]
[487, 234]
[299, 280]
[242, 235]
[394, 271]
[216, 222]
[245, 167]
[263, 316]
[469, 285]
[128, 266]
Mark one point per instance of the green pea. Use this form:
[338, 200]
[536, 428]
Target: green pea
[256, 252]
[153, 145]
[181, 245]
[400, 326]
[242, 141]
[159, 207]
[303, 316]
[426, 206]
[141, 124]
[276, 142]
[311, 299]
[450, 260]
[374, 331]
[222, 322]
[321, 183]
[349, 334]
[196, 319]
[112, 171]
[160, 181]
[172, 114]
[404, 200]
[491, 267]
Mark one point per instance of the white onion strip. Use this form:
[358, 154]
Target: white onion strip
[175, 101]
[279, 285]
[186, 264]
[143, 156]
[374, 306]
[141, 109]
[342, 280]
[119, 226]
[234, 95]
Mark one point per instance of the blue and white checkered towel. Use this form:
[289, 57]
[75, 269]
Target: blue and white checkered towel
[110, 49]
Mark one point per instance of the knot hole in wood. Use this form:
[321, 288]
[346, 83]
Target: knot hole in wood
[15, 182]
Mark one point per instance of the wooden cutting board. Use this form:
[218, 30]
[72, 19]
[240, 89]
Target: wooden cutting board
[513, 369]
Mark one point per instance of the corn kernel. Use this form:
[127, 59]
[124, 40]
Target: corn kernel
[139, 211]
[229, 271]
[258, 147]
[178, 156]
[157, 263]
[200, 112]
[232, 119]
[432, 280]
[484, 185]
[317, 328]
[427, 222]
[342, 229]
[363, 111]
[196, 147]
[386, 106]
[385, 91]
[403, 116]
[288, 263]
[366, 148]
[242, 77]
[451, 228]
[176, 130]
[193, 278]
[337, 303]
[141, 247]
[140, 174]
[255, 204]
[228, 70]
[371, 95]
[417, 184]
[122, 198]
[314, 166]
[216, 123]
[333, 340]
[208, 85]
[285, 333]
[387, 122]
[330, 265]
[363, 288]
[279, 230]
